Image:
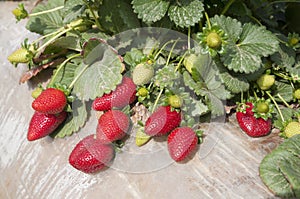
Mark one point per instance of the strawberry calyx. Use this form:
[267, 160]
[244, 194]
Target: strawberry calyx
[20, 12]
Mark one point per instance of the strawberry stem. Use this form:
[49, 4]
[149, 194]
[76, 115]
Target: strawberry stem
[157, 99]
[169, 57]
[227, 6]
[180, 61]
[94, 15]
[77, 77]
[60, 67]
[46, 11]
[53, 38]
[162, 48]
[276, 105]
[189, 38]
[281, 98]
[208, 21]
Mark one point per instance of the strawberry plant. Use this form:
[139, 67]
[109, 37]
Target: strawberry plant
[184, 61]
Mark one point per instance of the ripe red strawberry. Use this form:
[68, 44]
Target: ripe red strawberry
[112, 126]
[42, 124]
[162, 121]
[254, 127]
[182, 141]
[124, 94]
[90, 155]
[50, 101]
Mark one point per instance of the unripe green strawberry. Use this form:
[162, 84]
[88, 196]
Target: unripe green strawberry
[141, 137]
[262, 107]
[213, 40]
[142, 74]
[265, 82]
[175, 101]
[188, 62]
[143, 92]
[293, 128]
[297, 93]
[293, 41]
[21, 55]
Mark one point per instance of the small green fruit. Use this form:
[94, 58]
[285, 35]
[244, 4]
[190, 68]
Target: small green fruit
[189, 61]
[141, 137]
[175, 101]
[143, 92]
[20, 55]
[213, 40]
[292, 129]
[293, 41]
[262, 107]
[142, 74]
[297, 93]
[265, 82]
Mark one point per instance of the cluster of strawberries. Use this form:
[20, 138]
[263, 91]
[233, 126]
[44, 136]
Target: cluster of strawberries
[49, 113]
[97, 151]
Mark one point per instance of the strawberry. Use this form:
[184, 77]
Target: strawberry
[182, 141]
[162, 121]
[90, 155]
[296, 94]
[142, 74]
[252, 126]
[20, 55]
[175, 101]
[214, 40]
[50, 101]
[42, 124]
[291, 129]
[124, 94]
[112, 126]
[266, 81]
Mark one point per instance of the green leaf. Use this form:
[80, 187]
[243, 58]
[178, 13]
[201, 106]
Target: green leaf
[210, 86]
[166, 76]
[255, 42]
[134, 57]
[186, 13]
[271, 175]
[150, 10]
[64, 75]
[116, 16]
[285, 90]
[232, 27]
[73, 10]
[235, 84]
[68, 42]
[74, 122]
[287, 114]
[279, 170]
[99, 73]
[48, 22]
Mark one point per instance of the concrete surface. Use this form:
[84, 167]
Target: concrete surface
[226, 165]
